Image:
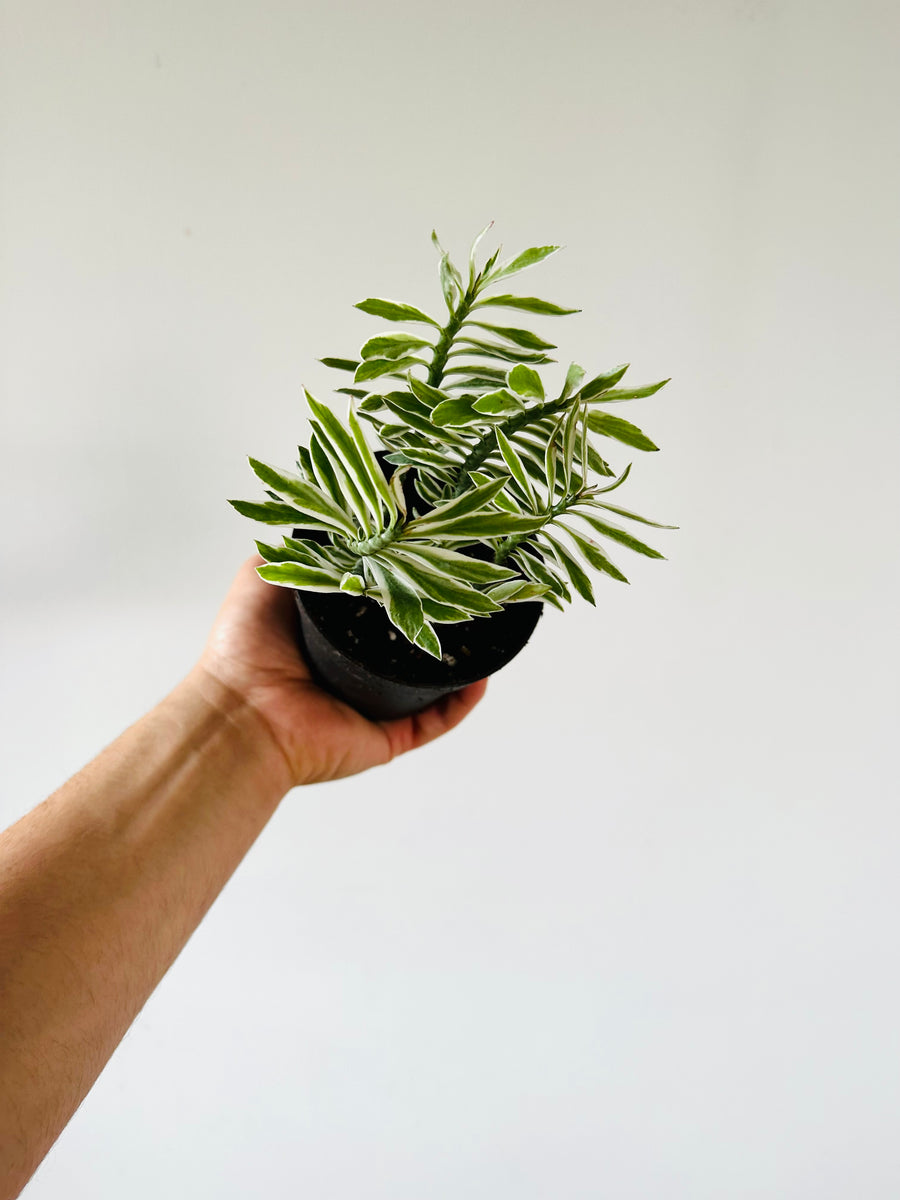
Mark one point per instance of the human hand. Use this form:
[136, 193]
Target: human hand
[252, 652]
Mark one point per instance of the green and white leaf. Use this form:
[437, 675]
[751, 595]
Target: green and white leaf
[578, 576]
[472, 272]
[527, 304]
[616, 394]
[340, 364]
[298, 575]
[616, 534]
[404, 607]
[472, 501]
[459, 410]
[516, 468]
[515, 590]
[429, 397]
[528, 258]
[501, 403]
[574, 379]
[451, 562]
[619, 429]
[600, 383]
[525, 382]
[374, 368]
[594, 555]
[631, 516]
[310, 499]
[438, 585]
[391, 311]
[392, 345]
[519, 337]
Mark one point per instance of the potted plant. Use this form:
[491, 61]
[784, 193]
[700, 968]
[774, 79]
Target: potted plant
[424, 563]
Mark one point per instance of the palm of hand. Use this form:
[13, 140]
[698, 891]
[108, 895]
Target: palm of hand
[252, 650]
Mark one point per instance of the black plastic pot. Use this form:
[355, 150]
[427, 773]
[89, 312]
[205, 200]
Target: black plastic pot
[355, 653]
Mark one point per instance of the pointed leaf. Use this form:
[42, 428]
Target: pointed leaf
[416, 456]
[491, 373]
[457, 411]
[527, 304]
[429, 396]
[517, 470]
[527, 258]
[611, 487]
[632, 516]
[580, 580]
[311, 498]
[473, 384]
[473, 348]
[373, 368]
[567, 450]
[461, 566]
[427, 640]
[594, 555]
[574, 377]
[621, 430]
[298, 575]
[535, 567]
[359, 466]
[413, 418]
[499, 403]
[471, 501]
[373, 470]
[280, 553]
[391, 345]
[615, 394]
[479, 526]
[550, 458]
[314, 554]
[389, 310]
[372, 403]
[324, 472]
[270, 513]
[398, 492]
[340, 364]
[601, 383]
[515, 590]
[452, 271]
[519, 337]
[472, 274]
[437, 585]
[616, 534]
[402, 602]
[443, 614]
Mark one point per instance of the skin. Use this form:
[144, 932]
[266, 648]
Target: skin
[103, 883]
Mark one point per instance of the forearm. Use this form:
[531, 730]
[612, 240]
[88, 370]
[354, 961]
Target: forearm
[102, 885]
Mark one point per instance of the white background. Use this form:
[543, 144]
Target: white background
[631, 930]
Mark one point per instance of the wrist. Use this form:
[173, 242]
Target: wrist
[222, 711]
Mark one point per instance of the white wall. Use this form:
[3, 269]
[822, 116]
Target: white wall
[631, 931]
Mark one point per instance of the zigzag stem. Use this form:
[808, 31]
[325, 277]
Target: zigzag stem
[488, 444]
[515, 540]
[448, 333]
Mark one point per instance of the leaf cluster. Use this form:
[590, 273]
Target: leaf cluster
[462, 410]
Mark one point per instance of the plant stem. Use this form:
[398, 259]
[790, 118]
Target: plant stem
[515, 540]
[486, 446]
[448, 333]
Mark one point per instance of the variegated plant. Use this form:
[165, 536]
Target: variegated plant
[494, 461]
